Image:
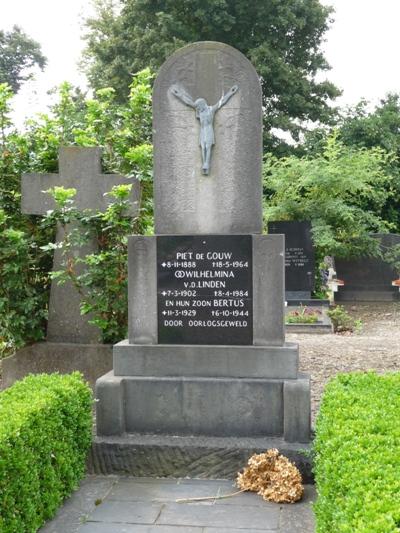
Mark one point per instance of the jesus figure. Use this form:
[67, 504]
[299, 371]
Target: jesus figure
[205, 113]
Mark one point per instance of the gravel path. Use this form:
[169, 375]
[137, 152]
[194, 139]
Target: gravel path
[377, 347]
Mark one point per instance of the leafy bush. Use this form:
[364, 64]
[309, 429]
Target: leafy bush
[103, 282]
[357, 455]
[23, 293]
[342, 321]
[45, 433]
[124, 132]
[331, 189]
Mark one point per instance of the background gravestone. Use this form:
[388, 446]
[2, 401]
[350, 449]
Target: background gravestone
[206, 356]
[69, 334]
[368, 279]
[299, 257]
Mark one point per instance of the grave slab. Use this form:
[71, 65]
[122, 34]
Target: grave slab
[205, 360]
[299, 258]
[93, 360]
[72, 343]
[159, 456]
[268, 288]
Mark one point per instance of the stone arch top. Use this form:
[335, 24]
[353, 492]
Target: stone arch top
[228, 199]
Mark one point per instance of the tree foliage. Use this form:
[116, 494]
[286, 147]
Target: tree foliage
[331, 189]
[361, 127]
[379, 128]
[26, 242]
[281, 38]
[18, 55]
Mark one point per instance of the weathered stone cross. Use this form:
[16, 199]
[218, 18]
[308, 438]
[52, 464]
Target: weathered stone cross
[79, 168]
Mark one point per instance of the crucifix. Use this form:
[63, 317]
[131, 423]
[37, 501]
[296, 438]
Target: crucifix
[79, 168]
[205, 114]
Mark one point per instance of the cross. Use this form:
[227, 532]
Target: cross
[79, 168]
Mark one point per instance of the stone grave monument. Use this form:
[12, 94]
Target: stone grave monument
[299, 258]
[205, 377]
[71, 342]
[368, 279]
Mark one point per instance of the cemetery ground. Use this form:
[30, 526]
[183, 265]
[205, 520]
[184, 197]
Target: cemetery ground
[375, 347]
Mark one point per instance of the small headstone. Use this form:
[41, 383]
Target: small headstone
[368, 279]
[299, 257]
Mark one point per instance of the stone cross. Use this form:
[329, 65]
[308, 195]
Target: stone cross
[79, 168]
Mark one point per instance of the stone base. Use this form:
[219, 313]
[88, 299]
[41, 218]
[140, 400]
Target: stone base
[186, 406]
[182, 457]
[206, 361]
[93, 360]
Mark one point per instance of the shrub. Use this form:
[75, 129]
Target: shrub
[357, 455]
[45, 433]
[342, 321]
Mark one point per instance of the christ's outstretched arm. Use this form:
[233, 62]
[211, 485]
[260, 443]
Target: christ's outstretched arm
[225, 97]
[182, 95]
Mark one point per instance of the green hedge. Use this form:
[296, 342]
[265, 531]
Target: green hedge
[357, 455]
[45, 434]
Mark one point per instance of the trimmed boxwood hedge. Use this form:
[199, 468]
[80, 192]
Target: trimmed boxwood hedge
[357, 455]
[45, 434]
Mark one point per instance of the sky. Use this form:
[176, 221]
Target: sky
[362, 47]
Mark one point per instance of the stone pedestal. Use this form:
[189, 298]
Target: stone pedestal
[206, 390]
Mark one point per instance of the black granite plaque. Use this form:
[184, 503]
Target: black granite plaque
[204, 289]
[299, 254]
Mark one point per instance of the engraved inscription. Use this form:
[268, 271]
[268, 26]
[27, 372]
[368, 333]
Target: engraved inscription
[204, 289]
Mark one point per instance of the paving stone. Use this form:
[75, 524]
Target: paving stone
[134, 490]
[230, 530]
[126, 512]
[210, 515]
[298, 517]
[80, 504]
[98, 527]
[140, 501]
[137, 491]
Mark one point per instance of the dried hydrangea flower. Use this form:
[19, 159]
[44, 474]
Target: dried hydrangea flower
[273, 477]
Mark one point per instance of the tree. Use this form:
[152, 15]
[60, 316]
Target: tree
[361, 127]
[331, 190]
[381, 127]
[280, 37]
[18, 55]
